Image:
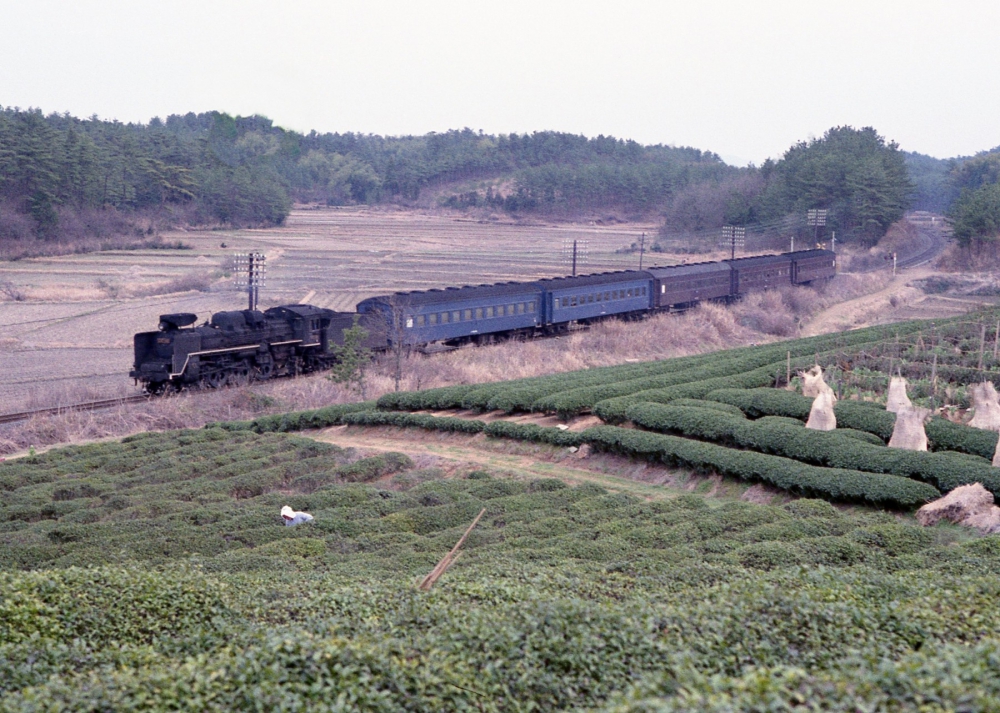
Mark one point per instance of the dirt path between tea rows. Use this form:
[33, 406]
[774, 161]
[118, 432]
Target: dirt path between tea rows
[452, 452]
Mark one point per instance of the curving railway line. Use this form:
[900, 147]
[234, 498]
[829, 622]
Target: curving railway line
[86, 406]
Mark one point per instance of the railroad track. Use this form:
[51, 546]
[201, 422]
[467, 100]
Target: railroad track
[937, 244]
[87, 406]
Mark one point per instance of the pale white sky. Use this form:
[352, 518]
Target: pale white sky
[743, 79]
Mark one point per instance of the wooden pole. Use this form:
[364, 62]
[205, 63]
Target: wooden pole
[788, 371]
[996, 340]
[448, 559]
[982, 345]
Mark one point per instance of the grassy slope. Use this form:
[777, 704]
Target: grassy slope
[563, 597]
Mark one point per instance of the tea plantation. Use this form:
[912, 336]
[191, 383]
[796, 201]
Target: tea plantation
[155, 573]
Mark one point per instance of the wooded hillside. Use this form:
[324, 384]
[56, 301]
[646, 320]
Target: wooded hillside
[64, 178]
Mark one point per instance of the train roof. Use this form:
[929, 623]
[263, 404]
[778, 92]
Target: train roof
[812, 252]
[758, 260]
[458, 294]
[697, 268]
[600, 278]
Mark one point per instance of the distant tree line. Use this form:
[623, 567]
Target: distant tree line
[58, 171]
[966, 188]
[861, 181]
[62, 175]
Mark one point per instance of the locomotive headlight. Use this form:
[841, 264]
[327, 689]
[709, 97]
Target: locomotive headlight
[164, 326]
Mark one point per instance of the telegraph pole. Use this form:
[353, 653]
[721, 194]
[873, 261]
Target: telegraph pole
[816, 218]
[735, 236]
[251, 273]
[574, 258]
[642, 248]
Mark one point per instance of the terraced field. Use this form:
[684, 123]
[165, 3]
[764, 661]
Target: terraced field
[74, 329]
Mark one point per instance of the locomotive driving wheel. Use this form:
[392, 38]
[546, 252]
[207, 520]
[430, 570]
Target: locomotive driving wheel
[264, 370]
[239, 375]
[215, 379]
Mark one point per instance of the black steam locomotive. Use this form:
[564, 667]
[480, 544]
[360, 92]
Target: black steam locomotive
[237, 347]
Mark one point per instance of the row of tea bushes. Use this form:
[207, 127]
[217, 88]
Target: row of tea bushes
[859, 415]
[839, 483]
[785, 473]
[413, 420]
[802, 352]
[570, 392]
[825, 448]
[563, 597]
[296, 420]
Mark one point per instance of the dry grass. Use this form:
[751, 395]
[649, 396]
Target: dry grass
[706, 328]
[759, 318]
[982, 257]
[194, 281]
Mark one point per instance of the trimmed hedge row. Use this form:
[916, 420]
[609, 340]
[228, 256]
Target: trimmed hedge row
[860, 416]
[862, 436]
[712, 405]
[613, 410]
[533, 432]
[784, 473]
[827, 449]
[413, 420]
[296, 420]
[764, 402]
[521, 394]
[955, 437]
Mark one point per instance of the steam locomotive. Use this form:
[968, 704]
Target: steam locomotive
[237, 347]
[241, 346]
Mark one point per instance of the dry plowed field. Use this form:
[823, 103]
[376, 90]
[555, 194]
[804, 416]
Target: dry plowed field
[71, 338]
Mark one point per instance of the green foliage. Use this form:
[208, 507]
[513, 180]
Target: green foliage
[296, 420]
[784, 473]
[860, 416]
[105, 605]
[830, 449]
[564, 597]
[369, 469]
[352, 357]
[532, 432]
[855, 174]
[976, 215]
[389, 418]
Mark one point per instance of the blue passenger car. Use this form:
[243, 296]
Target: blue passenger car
[457, 313]
[569, 299]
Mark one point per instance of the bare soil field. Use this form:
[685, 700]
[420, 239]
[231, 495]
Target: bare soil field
[72, 332]
[79, 312]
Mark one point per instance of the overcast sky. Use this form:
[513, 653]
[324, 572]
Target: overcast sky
[743, 79]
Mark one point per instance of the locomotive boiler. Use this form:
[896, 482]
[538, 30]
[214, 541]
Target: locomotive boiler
[237, 347]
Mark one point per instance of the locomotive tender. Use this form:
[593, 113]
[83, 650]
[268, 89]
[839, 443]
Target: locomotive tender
[237, 347]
